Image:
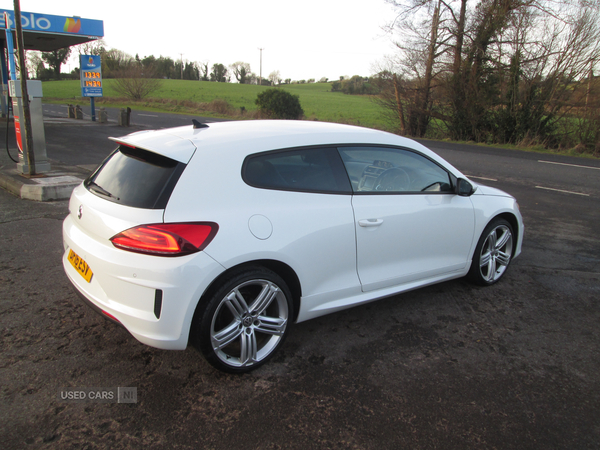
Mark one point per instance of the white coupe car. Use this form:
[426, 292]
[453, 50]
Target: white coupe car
[223, 235]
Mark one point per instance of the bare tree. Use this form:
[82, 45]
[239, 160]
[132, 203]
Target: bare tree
[423, 27]
[90, 48]
[275, 77]
[136, 81]
[35, 64]
[115, 62]
[497, 70]
[204, 71]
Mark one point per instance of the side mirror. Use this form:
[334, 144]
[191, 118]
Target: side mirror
[464, 188]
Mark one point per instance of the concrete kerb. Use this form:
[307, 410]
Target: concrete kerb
[55, 185]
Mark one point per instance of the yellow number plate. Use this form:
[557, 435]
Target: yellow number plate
[80, 266]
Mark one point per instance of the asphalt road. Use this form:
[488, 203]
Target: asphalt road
[451, 366]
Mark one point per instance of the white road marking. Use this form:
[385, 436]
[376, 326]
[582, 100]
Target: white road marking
[572, 165]
[148, 115]
[481, 178]
[563, 191]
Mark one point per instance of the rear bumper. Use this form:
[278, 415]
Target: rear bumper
[94, 308]
[154, 298]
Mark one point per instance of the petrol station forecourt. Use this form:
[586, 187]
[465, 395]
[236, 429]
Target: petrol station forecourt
[42, 32]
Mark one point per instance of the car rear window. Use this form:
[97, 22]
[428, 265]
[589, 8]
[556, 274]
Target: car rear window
[136, 177]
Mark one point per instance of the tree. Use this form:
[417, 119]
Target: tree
[191, 71]
[136, 81]
[96, 47]
[35, 64]
[476, 84]
[424, 30]
[274, 77]
[204, 69]
[219, 73]
[114, 62]
[518, 71]
[252, 79]
[279, 104]
[55, 59]
[165, 68]
[241, 71]
[150, 62]
[490, 70]
[355, 85]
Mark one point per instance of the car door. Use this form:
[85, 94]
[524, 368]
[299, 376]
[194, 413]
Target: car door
[410, 225]
[305, 196]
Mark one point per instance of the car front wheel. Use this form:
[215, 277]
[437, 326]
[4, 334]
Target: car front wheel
[493, 253]
[244, 322]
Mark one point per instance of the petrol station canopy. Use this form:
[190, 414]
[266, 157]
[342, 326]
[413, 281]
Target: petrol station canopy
[46, 32]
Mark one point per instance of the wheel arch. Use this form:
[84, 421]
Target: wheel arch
[473, 273]
[283, 270]
[512, 219]
[514, 223]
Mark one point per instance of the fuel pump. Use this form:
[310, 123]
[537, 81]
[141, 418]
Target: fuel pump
[46, 33]
[34, 89]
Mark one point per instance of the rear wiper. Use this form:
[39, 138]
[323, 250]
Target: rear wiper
[100, 190]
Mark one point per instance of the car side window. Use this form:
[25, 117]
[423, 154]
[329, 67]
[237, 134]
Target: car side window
[305, 170]
[393, 170]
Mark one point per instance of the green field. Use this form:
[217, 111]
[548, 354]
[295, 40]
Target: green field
[317, 100]
[204, 98]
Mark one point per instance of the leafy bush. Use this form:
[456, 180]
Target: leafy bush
[279, 104]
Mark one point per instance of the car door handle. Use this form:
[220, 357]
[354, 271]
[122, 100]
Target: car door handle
[370, 222]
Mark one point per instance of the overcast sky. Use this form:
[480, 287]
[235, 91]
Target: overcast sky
[301, 39]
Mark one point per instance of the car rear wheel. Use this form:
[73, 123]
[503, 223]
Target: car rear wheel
[244, 322]
[493, 253]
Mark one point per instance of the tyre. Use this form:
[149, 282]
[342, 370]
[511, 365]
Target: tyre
[244, 322]
[493, 253]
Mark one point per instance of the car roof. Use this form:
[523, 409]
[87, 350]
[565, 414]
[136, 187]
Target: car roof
[250, 136]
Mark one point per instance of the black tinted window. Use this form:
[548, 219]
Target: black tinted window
[307, 170]
[136, 177]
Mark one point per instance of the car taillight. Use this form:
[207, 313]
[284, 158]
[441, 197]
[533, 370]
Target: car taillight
[166, 239]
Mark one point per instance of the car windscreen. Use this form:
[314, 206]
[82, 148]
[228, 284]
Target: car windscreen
[136, 177]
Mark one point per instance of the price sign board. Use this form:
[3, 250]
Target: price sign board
[90, 70]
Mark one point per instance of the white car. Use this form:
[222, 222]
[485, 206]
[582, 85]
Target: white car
[223, 235]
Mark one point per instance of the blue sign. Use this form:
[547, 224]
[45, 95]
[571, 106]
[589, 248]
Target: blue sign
[90, 71]
[54, 24]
